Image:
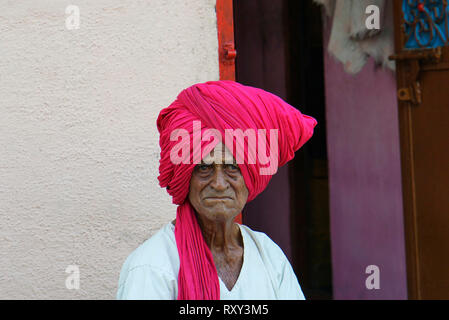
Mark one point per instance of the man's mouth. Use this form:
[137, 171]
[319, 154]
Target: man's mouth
[218, 198]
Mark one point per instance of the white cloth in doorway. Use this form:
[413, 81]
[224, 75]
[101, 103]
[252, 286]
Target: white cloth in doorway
[351, 42]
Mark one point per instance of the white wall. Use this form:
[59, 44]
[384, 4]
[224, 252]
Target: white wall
[79, 145]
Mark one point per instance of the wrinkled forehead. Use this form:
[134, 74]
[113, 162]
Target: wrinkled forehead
[219, 155]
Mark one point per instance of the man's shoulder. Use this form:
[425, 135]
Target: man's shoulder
[272, 256]
[156, 251]
[265, 243]
[154, 262]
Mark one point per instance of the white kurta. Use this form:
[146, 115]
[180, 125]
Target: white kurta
[151, 271]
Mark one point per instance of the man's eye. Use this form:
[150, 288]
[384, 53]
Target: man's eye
[232, 167]
[204, 167]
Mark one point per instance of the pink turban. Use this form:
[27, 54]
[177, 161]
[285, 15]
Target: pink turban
[220, 105]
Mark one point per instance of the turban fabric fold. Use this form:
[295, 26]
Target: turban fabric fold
[220, 105]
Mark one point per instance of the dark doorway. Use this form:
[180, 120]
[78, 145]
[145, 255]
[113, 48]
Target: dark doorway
[308, 171]
[279, 49]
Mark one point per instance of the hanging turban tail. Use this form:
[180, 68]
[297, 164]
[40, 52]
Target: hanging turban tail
[221, 105]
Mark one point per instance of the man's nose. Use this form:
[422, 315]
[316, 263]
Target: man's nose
[219, 181]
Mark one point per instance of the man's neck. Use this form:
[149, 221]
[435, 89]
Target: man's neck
[222, 236]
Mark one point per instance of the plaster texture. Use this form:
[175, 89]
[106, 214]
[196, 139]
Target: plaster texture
[79, 148]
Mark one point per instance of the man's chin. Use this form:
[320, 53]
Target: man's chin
[219, 214]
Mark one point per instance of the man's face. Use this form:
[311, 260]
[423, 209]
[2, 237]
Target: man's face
[217, 188]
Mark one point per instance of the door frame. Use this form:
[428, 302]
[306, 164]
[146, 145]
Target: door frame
[405, 109]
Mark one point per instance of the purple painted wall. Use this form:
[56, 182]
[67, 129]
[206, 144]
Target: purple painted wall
[364, 180]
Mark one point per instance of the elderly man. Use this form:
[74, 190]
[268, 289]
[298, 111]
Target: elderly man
[203, 254]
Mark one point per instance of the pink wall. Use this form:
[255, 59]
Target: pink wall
[364, 180]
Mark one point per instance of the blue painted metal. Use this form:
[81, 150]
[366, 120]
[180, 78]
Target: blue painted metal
[426, 23]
